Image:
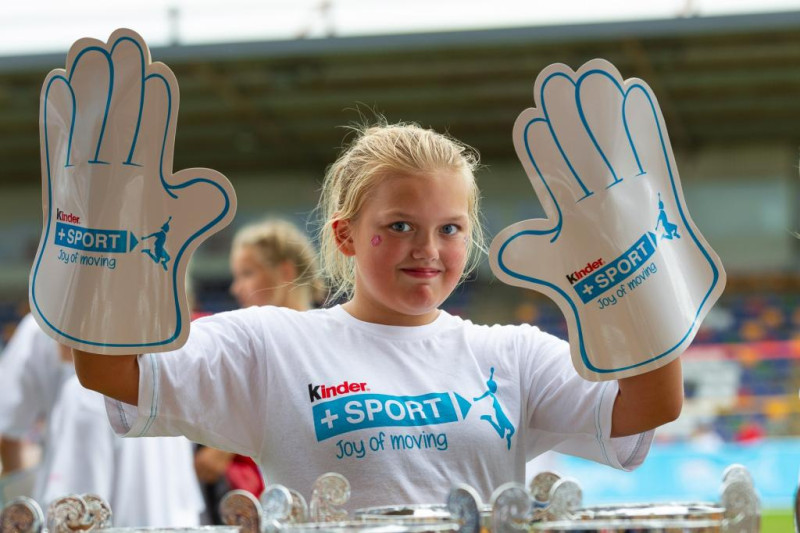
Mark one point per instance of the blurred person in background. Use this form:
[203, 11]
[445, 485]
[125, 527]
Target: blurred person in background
[147, 482]
[705, 438]
[31, 376]
[272, 263]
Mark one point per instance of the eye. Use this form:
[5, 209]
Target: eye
[400, 226]
[450, 229]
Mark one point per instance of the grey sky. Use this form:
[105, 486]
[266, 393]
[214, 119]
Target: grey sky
[53, 25]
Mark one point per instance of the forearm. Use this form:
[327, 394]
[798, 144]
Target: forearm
[649, 400]
[210, 464]
[10, 455]
[115, 376]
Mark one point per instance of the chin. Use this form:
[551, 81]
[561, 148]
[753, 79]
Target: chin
[420, 308]
[420, 311]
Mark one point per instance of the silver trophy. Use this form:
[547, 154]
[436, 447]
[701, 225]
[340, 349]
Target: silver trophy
[80, 514]
[280, 506]
[69, 513]
[737, 512]
[22, 515]
[459, 508]
[284, 510]
[330, 491]
[242, 509]
[512, 509]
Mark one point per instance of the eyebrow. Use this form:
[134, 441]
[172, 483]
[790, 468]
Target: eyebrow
[404, 215]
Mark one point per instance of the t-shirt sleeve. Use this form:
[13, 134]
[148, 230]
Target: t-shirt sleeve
[569, 414]
[212, 390]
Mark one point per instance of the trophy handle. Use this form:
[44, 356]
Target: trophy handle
[464, 505]
[299, 512]
[566, 497]
[736, 471]
[512, 508]
[99, 511]
[330, 491]
[240, 508]
[540, 487]
[741, 503]
[22, 515]
[68, 514]
[276, 501]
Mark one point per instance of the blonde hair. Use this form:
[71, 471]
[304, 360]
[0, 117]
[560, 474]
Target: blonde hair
[275, 241]
[377, 151]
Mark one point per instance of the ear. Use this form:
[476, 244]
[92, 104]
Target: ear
[344, 240]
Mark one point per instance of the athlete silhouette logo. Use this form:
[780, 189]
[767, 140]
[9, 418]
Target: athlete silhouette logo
[159, 252]
[670, 229]
[500, 423]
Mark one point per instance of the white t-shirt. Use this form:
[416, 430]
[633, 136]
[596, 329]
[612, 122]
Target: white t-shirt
[31, 375]
[147, 482]
[402, 412]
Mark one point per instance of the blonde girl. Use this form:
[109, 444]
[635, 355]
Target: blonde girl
[274, 263]
[388, 389]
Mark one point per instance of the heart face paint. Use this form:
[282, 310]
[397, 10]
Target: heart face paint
[376, 240]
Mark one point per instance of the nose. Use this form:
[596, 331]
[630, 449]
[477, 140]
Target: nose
[425, 246]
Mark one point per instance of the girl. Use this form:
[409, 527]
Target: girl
[401, 397]
[272, 263]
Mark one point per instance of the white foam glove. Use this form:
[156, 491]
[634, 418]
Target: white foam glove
[618, 251]
[119, 224]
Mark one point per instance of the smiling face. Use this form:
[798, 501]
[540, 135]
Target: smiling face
[409, 242]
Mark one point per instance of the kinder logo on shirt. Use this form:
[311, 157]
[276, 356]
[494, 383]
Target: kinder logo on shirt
[323, 392]
[368, 410]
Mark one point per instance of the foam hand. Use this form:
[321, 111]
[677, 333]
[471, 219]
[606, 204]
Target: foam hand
[618, 251]
[119, 226]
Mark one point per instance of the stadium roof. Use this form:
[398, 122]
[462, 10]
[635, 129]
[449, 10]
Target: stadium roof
[247, 107]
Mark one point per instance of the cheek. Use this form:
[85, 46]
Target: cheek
[456, 254]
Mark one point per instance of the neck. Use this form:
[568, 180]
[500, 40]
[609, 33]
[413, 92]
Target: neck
[387, 317]
[299, 299]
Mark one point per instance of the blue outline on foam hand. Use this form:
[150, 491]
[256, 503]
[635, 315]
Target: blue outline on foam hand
[129, 161]
[556, 230]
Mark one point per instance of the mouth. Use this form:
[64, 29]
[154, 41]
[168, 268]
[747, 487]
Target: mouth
[422, 273]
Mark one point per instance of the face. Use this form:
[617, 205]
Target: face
[254, 283]
[410, 242]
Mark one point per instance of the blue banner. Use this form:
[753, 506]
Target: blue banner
[91, 240]
[361, 411]
[686, 472]
[600, 281]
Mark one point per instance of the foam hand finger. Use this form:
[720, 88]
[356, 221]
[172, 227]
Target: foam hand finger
[119, 224]
[618, 252]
